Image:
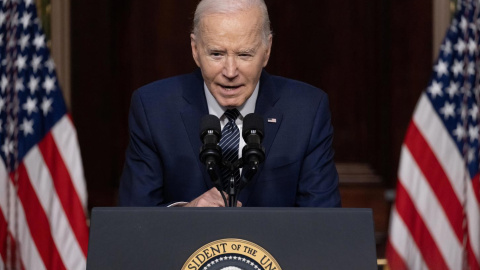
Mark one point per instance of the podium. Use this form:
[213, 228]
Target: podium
[231, 238]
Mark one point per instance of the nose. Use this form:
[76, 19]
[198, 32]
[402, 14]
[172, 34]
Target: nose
[230, 68]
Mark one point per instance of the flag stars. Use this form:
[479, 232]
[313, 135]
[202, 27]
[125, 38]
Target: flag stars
[476, 90]
[448, 110]
[473, 112]
[457, 67]
[472, 46]
[39, 41]
[471, 155]
[435, 89]
[3, 83]
[33, 84]
[463, 112]
[25, 20]
[30, 105]
[49, 84]
[453, 26]
[441, 68]
[1, 39]
[11, 44]
[36, 62]
[21, 62]
[447, 47]
[24, 41]
[50, 65]
[26, 126]
[460, 46]
[467, 89]
[471, 68]
[10, 126]
[7, 147]
[473, 133]
[472, 27]
[19, 85]
[459, 132]
[463, 24]
[3, 16]
[46, 105]
[452, 89]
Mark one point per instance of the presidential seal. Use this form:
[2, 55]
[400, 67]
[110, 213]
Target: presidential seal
[231, 254]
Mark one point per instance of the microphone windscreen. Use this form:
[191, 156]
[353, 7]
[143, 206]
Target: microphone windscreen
[251, 122]
[210, 122]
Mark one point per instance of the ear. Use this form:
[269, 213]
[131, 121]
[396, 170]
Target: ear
[193, 43]
[268, 50]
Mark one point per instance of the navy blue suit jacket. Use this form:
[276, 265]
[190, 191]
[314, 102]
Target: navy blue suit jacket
[162, 160]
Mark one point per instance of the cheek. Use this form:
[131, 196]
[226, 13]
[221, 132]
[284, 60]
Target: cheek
[211, 70]
[252, 74]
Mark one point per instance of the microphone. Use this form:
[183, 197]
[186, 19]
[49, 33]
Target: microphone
[210, 152]
[210, 133]
[253, 153]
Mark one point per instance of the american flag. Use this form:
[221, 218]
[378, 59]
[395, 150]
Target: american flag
[435, 222]
[42, 188]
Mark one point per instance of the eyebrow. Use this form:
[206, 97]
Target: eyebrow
[250, 50]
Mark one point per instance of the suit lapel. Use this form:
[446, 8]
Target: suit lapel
[194, 109]
[272, 118]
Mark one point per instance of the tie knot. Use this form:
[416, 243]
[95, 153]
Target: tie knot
[232, 114]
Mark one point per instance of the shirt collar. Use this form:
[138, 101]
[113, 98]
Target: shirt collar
[216, 109]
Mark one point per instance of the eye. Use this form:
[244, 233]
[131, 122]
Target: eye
[216, 55]
[245, 55]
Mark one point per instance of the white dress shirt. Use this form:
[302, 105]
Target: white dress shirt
[216, 109]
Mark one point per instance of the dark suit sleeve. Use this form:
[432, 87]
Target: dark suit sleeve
[141, 182]
[318, 181]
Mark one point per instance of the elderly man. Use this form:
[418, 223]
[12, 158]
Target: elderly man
[231, 43]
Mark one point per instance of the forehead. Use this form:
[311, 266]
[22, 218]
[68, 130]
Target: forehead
[239, 28]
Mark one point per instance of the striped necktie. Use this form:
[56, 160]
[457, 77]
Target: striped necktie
[230, 143]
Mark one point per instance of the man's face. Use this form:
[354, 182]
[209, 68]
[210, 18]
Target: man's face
[231, 54]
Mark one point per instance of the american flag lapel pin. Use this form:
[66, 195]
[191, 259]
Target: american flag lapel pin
[272, 120]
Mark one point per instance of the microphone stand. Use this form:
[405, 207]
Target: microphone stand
[232, 193]
[232, 185]
[212, 170]
[249, 171]
[235, 187]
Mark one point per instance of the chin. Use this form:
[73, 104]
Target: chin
[231, 104]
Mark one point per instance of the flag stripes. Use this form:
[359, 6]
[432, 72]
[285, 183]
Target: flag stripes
[52, 236]
[65, 190]
[438, 181]
[428, 215]
[37, 220]
[65, 138]
[403, 241]
[24, 236]
[473, 223]
[433, 131]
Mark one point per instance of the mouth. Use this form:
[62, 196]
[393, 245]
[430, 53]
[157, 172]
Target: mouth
[230, 87]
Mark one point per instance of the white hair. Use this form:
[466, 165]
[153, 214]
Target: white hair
[208, 7]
